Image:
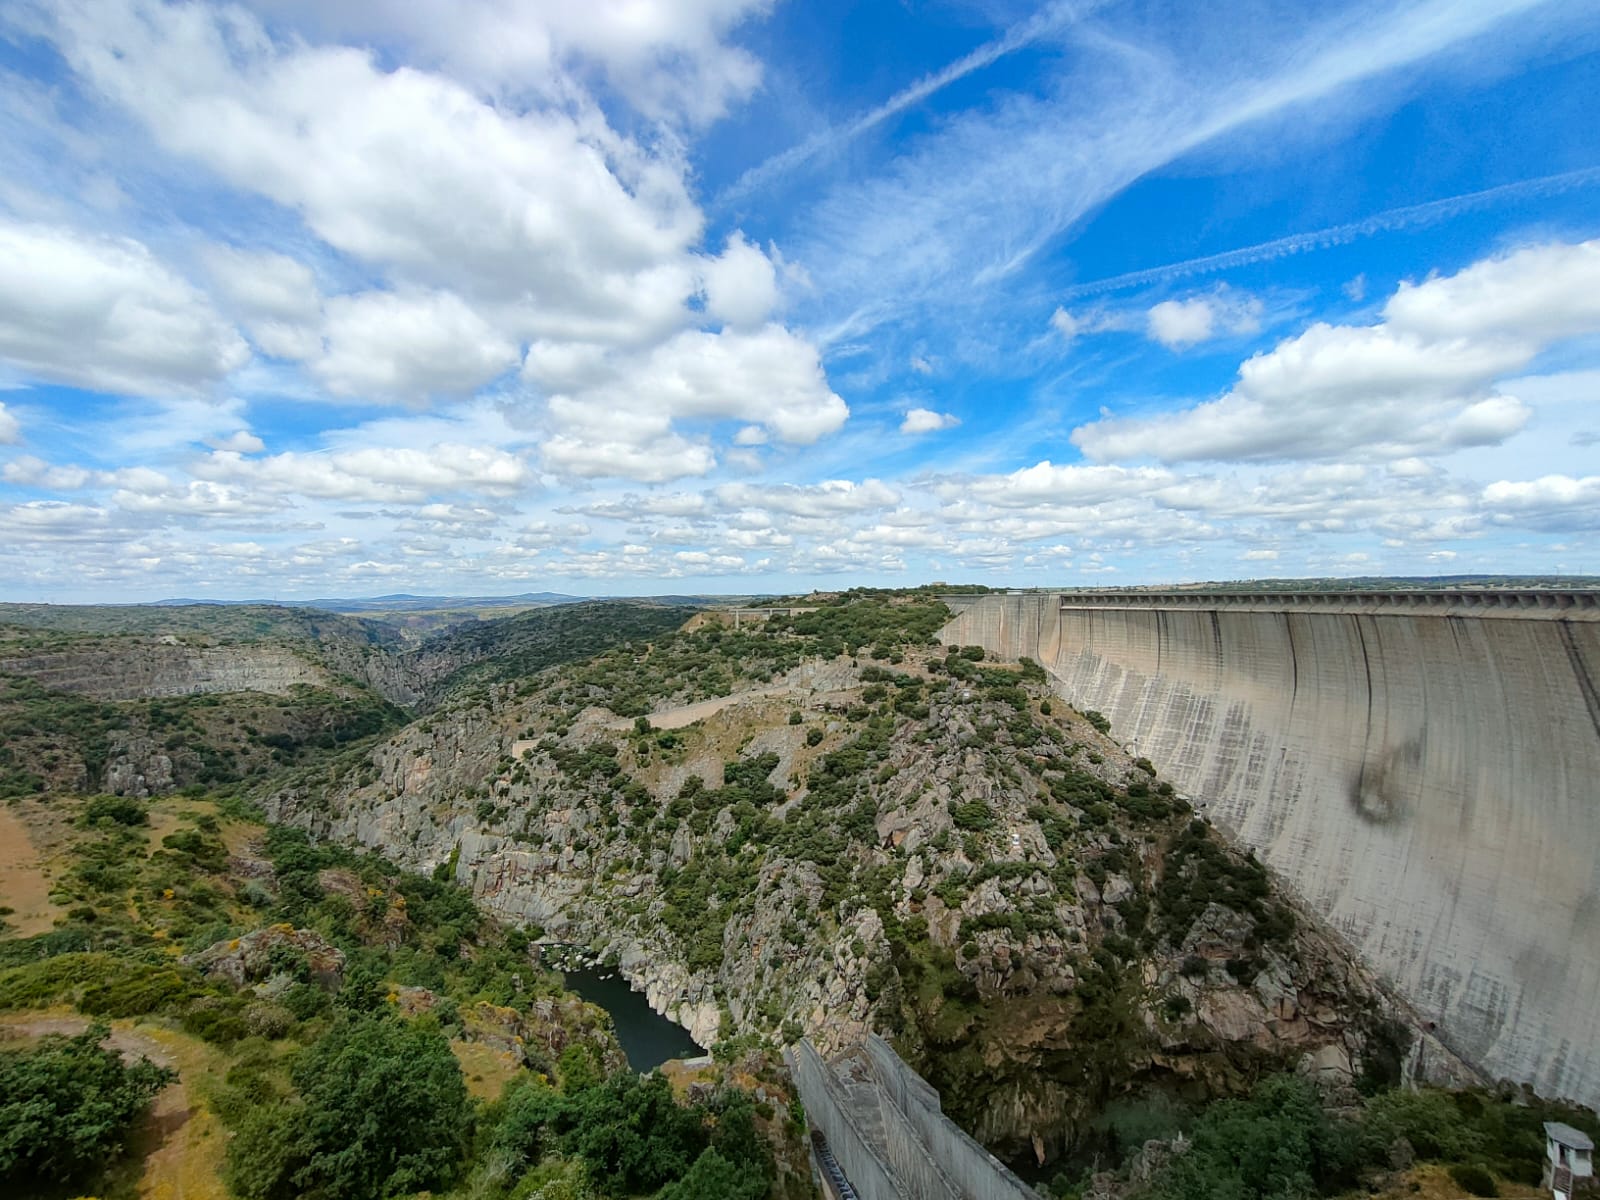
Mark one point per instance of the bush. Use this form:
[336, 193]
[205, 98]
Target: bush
[715, 1178]
[382, 1111]
[1474, 1179]
[114, 810]
[1428, 1119]
[1278, 1143]
[972, 815]
[631, 1133]
[65, 1107]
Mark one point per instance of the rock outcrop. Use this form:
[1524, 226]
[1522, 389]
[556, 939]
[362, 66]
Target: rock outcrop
[146, 669]
[968, 871]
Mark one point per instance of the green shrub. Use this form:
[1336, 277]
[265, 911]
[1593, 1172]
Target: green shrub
[97, 983]
[973, 815]
[114, 810]
[1278, 1143]
[137, 990]
[66, 1106]
[1474, 1179]
[381, 1111]
[1428, 1119]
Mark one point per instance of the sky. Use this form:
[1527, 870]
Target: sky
[311, 298]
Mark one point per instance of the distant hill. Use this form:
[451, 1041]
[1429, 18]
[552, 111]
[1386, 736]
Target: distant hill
[399, 602]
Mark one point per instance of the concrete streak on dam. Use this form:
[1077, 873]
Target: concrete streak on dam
[1422, 768]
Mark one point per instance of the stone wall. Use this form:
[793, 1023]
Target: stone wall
[1425, 777]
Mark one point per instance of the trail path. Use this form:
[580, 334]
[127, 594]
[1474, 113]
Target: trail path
[23, 885]
[688, 714]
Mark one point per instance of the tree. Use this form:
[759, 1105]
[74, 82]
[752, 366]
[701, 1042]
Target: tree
[66, 1105]
[631, 1133]
[715, 1178]
[1277, 1145]
[523, 1112]
[737, 1140]
[382, 1111]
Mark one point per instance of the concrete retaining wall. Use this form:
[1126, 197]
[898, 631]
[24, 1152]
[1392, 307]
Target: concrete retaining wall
[826, 1106]
[971, 1170]
[888, 1134]
[1428, 780]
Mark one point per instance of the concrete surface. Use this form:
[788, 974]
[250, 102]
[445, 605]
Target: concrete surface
[1424, 771]
[883, 1124]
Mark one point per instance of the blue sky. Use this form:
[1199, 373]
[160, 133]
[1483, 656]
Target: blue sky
[484, 296]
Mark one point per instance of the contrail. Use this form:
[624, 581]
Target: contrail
[1410, 216]
[1046, 20]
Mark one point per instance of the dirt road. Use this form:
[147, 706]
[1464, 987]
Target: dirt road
[23, 885]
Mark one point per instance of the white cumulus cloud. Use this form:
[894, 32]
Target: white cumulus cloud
[741, 286]
[104, 313]
[410, 345]
[1177, 324]
[925, 420]
[377, 473]
[620, 415]
[670, 58]
[1421, 381]
[275, 295]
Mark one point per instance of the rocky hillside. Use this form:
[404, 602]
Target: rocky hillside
[141, 701]
[133, 652]
[826, 823]
[325, 1025]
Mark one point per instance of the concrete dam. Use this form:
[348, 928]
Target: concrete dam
[884, 1135]
[1422, 768]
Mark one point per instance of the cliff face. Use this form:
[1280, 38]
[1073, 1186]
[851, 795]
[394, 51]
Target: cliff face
[128, 669]
[1425, 782]
[947, 860]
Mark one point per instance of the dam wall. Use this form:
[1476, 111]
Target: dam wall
[1423, 769]
[886, 1130]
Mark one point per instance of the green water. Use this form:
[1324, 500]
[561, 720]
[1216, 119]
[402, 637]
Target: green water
[648, 1038]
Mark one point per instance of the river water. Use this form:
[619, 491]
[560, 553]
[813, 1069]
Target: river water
[648, 1038]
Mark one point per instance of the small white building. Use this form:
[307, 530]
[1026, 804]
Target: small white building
[1569, 1155]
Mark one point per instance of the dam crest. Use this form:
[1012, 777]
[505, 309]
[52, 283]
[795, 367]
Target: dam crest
[1422, 767]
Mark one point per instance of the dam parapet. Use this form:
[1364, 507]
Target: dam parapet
[1422, 766]
[1553, 604]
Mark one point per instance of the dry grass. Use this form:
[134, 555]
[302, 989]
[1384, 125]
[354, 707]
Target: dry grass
[680, 1075]
[24, 882]
[1432, 1182]
[486, 1069]
[184, 1160]
[164, 819]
